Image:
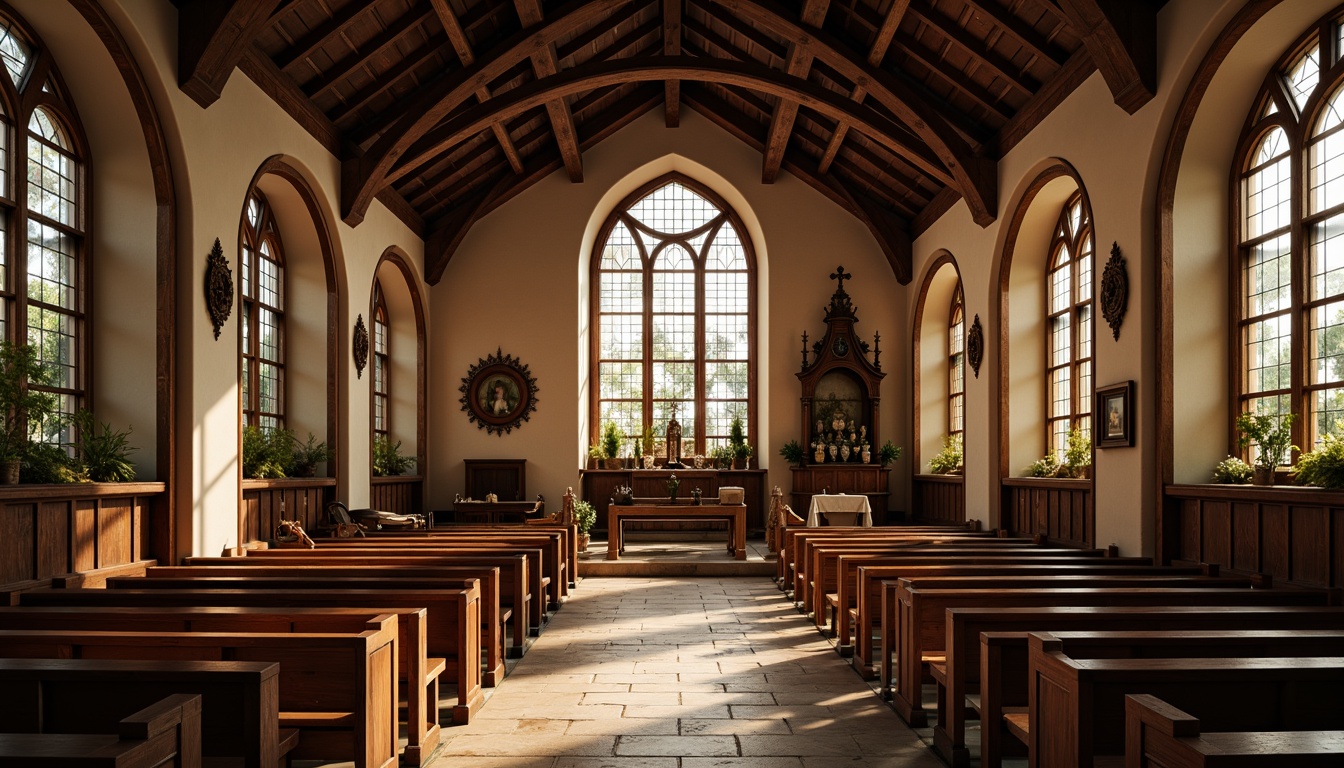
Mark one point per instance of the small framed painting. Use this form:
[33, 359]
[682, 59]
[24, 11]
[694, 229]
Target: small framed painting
[1115, 416]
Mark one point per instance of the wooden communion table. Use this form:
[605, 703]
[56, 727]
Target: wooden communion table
[735, 514]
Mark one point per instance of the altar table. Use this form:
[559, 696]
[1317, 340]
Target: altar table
[840, 509]
[735, 514]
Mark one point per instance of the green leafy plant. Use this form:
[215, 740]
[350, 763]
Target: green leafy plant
[739, 450]
[647, 438]
[388, 459]
[792, 452]
[24, 410]
[949, 459]
[1323, 465]
[307, 455]
[51, 463]
[1046, 466]
[721, 457]
[103, 451]
[611, 440]
[1271, 433]
[1232, 470]
[267, 453]
[1077, 453]
[584, 516]
[596, 451]
[888, 453]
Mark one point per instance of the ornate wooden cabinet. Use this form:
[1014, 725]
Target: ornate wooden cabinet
[841, 397]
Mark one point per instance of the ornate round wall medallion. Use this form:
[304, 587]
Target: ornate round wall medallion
[218, 287]
[498, 393]
[1114, 291]
[840, 346]
[975, 346]
[361, 346]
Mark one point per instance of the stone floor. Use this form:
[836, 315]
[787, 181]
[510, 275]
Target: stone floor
[670, 672]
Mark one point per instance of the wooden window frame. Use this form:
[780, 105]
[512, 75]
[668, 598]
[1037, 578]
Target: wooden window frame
[956, 360]
[265, 232]
[726, 216]
[382, 364]
[1065, 236]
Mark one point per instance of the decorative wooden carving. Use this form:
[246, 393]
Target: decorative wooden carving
[975, 346]
[218, 287]
[498, 393]
[1114, 290]
[361, 346]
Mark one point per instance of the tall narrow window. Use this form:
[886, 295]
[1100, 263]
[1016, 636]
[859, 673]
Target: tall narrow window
[956, 367]
[1069, 325]
[263, 321]
[673, 319]
[382, 385]
[1289, 265]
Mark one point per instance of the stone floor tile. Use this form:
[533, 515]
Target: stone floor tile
[800, 745]
[691, 726]
[678, 711]
[624, 727]
[742, 762]
[476, 761]
[677, 746]
[616, 762]
[735, 699]
[529, 745]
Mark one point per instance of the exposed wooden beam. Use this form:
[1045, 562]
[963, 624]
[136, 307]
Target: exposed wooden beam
[1121, 37]
[1078, 68]
[338, 23]
[284, 92]
[671, 47]
[968, 87]
[1015, 28]
[362, 174]
[389, 78]
[786, 110]
[545, 65]
[978, 50]
[371, 50]
[212, 37]
[453, 28]
[876, 54]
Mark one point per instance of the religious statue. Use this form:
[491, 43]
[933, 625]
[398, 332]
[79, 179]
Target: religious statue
[674, 440]
[775, 521]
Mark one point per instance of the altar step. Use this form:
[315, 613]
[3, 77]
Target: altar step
[663, 554]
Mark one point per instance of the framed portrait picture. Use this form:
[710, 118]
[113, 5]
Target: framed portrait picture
[498, 393]
[1115, 416]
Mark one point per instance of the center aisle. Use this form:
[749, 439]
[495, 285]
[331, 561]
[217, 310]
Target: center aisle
[682, 673]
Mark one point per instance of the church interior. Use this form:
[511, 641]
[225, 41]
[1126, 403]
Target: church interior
[994, 336]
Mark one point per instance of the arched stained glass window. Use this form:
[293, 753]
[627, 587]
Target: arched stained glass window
[956, 366]
[674, 317]
[1069, 325]
[263, 321]
[382, 382]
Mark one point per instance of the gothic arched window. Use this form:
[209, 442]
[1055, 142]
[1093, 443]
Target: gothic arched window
[1069, 325]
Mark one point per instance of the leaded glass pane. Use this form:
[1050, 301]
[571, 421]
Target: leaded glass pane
[1061, 400]
[1328, 406]
[51, 174]
[627, 415]
[622, 292]
[1279, 405]
[674, 292]
[1303, 76]
[622, 337]
[726, 292]
[674, 381]
[674, 337]
[51, 266]
[620, 251]
[727, 251]
[1061, 288]
[52, 333]
[1061, 345]
[13, 51]
[1084, 331]
[724, 381]
[1084, 389]
[719, 418]
[1326, 337]
[673, 209]
[1325, 174]
[1269, 354]
[1331, 112]
[621, 381]
[726, 337]
[1268, 196]
[1325, 255]
[674, 258]
[1268, 277]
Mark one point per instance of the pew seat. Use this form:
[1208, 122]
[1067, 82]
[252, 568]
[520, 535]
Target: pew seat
[1158, 735]
[167, 733]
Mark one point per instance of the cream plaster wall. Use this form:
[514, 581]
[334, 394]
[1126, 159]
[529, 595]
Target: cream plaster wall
[513, 282]
[931, 397]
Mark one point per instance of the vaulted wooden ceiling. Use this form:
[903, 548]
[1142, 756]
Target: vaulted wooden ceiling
[446, 109]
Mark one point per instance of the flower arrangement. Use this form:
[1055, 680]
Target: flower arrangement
[1323, 465]
[1232, 470]
[949, 459]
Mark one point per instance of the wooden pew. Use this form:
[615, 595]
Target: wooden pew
[166, 733]
[871, 577]
[1004, 654]
[790, 533]
[914, 620]
[338, 689]
[240, 711]
[531, 613]
[503, 584]
[1077, 706]
[420, 671]
[569, 537]
[1158, 735]
[803, 543]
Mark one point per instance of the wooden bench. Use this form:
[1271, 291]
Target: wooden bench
[804, 543]
[1004, 652]
[914, 626]
[1077, 706]
[1158, 735]
[559, 544]
[419, 672]
[338, 689]
[569, 536]
[791, 533]
[166, 733]
[240, 710]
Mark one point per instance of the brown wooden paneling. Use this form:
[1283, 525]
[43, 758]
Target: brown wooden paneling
[16, 543]
[939, 499]
[114, 532]
[1190, 528]
[1060, 509]
[1310, 546]
[84, 546]
[1274, 540]
[266, 502]
[1216, 528]
[1245, 537]
[53, 540]
[401, 495]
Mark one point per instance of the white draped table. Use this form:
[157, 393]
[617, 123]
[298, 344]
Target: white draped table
[854, 508]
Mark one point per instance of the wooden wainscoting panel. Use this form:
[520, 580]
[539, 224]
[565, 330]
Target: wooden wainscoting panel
[1216, 532]
[84, 546]
[114, 532]
[1310, 534]
[1246, 536]
[1275, 557]
[17, 535]
[1061, 509]
[53, 545]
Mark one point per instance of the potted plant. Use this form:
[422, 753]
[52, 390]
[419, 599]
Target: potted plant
[1272, 435]
[388, 459]
[307, 455]
[1322, 466]
[647, 440]
[267, 453]
[584, 517]
[1046, 466]
[792, 452]
[1233, 470]
[949, 460]
[888, 453]
[104, 452]
[740, 451]
[611, 445]
[597, 454]
[23, 410]
[1078, 453]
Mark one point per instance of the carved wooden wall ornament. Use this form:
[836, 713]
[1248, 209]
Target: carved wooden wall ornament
[975, 346]
[218, 287]
[361, 346]
[1114, 290]
[499, 393]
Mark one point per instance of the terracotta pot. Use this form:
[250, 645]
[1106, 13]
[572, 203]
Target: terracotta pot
[1263, 476]
[9, 472]
[584, 538]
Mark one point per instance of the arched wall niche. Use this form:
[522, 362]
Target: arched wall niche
[929, 352]
[406, 320]
[313, 331]
[1020, 312]
[1194, 233]
[750, 226]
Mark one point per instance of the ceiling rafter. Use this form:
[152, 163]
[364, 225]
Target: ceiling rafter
[362, 174]
[372, 49]
[212, 38]
[966, 86]
[876, 53]
[458, 38]
[1023, 33]
[320, 36]
[976, 49]
[562, 119]
[671, 47]
[618, 19]
[786, 110]
[1122, 40]
[386, 80]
